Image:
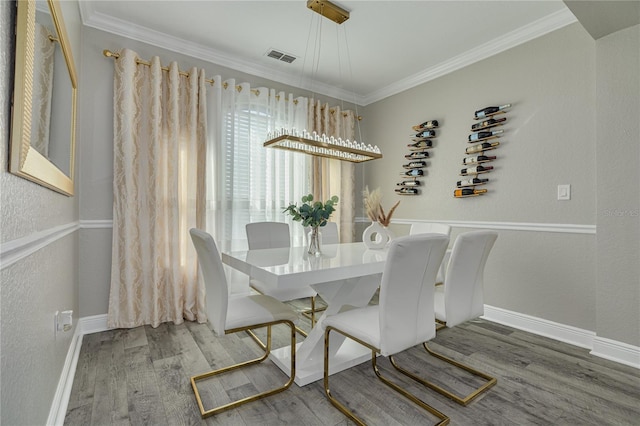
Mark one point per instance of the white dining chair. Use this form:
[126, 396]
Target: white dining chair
[404, 316]
[461, 299]
[436, 228]
[228, 315]
[262, 235]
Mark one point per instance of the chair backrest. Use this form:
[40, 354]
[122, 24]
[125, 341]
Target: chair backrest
[430, 228]
[261, 235]
[329, 233]
[406, 301]
[464, 281]
[215, 280]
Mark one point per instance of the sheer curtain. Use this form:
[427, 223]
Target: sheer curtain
[335, 177]
[247, 182]
[159, 164]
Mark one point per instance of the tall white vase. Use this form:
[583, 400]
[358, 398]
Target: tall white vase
[376, 236]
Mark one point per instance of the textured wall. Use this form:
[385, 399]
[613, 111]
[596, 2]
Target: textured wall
[549, 139]
[618, 154]
[32, 289]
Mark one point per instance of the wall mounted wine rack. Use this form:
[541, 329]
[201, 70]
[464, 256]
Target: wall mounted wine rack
[485, 136]
[421, 143]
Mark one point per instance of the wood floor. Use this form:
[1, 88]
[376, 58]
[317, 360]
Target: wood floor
[141, 377]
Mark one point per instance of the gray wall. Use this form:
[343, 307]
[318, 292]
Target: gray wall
[552, 137]
[36, 286]
[618, 189]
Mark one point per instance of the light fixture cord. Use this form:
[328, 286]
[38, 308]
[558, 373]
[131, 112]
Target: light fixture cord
[353, 91]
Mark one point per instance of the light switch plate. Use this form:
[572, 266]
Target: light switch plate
[564, 192]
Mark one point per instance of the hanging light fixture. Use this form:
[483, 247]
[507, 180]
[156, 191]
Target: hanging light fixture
[313, 143]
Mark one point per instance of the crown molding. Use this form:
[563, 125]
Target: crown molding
[127, 29]
[123, 28]
[536, 29]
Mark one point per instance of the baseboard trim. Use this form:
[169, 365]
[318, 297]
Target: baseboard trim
[93, 324]
[613, 350]
[563, 333]
[58, 409]
[86, 325]
[601, 347]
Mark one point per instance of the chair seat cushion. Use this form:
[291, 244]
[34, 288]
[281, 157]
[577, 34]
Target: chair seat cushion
[438, 298]
[244, 311]
[362, 323]
[284, 295]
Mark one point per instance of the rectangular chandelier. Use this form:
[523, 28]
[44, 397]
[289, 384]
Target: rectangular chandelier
[322, 146]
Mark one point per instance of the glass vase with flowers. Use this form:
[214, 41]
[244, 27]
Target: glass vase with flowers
[315, 215]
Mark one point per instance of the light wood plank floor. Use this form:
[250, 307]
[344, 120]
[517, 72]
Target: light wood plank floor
[141, 377]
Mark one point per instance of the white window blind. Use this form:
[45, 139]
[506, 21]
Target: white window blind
[256, 183]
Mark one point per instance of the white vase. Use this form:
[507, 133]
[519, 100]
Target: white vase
[376, 236]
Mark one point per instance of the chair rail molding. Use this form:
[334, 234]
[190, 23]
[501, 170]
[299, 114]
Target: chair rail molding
[566, 228]
[96, 224]
[15, 250]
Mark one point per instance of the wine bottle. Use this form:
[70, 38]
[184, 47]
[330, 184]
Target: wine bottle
[412, 191]
[487, 123]
[422, 144]
[413, 172]
[425, 134]
[483, 135]
[481, 147]
[475, 170]
[431, 124]
[418, 155]
[415, 165]
[490, 110]
[478, 159]
[463, 192]
[409, 183]
[471, 182]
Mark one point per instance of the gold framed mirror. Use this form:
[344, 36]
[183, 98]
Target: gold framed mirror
[43, 128]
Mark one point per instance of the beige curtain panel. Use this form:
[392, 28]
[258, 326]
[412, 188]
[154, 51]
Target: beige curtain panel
[335, 177]
[159, 171]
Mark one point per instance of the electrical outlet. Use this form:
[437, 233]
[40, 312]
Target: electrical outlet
[62, 321]
[65, 322]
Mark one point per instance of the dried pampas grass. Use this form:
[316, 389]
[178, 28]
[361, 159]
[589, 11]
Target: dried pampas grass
[373, 207]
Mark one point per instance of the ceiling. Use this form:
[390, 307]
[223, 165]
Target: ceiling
[384, 48]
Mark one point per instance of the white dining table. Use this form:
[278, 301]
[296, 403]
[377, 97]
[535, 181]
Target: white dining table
[343, 275]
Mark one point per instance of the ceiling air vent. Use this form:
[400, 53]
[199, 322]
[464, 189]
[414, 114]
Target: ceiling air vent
[272, 53]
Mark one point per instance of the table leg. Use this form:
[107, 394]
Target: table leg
[356, 292]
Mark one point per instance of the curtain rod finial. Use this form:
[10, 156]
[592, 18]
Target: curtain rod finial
[110, 54]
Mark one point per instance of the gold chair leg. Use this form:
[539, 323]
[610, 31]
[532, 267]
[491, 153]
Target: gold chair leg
[311, 313]
[298, 329]
[207, 413]
[260, 343]
[491, 381]
[444, 420]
